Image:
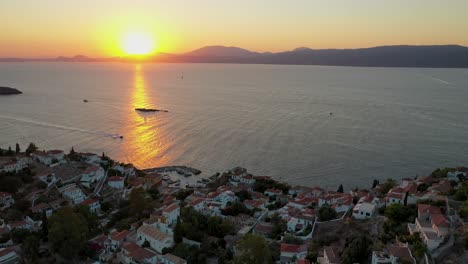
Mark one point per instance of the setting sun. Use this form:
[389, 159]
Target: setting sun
[138, 44]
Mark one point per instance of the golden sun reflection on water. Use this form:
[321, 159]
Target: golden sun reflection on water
[145, 145]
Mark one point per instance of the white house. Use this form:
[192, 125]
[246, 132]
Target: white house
[116, 182]
[392, 253]
[171, 213]
[90, 158]
[299, 222]
[198, 204]
[431, 225]
[364, 210]
[224, 198]
[93, 205]
[291, 252]
[42, 157]
[395, 198]
[58, 155]
[92, 175]
[73, 193]
[247, 180]
[156, 239]
[456, 175]
[116, 239]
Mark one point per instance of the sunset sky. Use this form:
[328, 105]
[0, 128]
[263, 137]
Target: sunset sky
[32, 28]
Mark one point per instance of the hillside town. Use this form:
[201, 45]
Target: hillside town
[73, 207]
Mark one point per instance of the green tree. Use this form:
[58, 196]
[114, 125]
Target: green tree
[340, 189]
[18, 149]
[68, 232]
[386, 186]
[138, 202]
[30, 248]
[9, 151]
[398, 213]
[326, 213]
[90, 217]
[243, 195]
[252, 249]
[30, 149]
[357, 249]
[19, 235]
[375, 183]
[178, 232]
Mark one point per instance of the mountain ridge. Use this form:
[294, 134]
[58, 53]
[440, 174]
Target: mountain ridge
[436, 56]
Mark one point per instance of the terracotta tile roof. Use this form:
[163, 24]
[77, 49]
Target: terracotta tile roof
[196, 201]
[439, 220]
[5, 194]
[273, 191]
[174, 259]
[6, 251]
[293, 248]
[171, 208]
[153, 233]
[136, 252]
[254, 203]
[399, 251]
[18, 224]
[115, 178]
[119, 236]
[89, 201]
[396, 195]
[39, 207]
[426, 208]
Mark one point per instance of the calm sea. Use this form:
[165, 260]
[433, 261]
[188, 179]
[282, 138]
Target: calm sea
[308, 125]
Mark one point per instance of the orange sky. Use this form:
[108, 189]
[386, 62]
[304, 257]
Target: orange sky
[50, 28]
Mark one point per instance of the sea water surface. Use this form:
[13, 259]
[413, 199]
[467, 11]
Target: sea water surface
[309, 125]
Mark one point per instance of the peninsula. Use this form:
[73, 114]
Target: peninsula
[9, 90]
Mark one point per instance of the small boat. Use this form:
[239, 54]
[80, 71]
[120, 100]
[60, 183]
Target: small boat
[150, 110]
[121, 137]
[85, 101]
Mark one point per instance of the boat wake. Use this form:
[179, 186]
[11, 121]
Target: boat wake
[57, 126]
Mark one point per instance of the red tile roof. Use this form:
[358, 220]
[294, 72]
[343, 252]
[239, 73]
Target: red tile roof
[399, 251]
[115, 178]
[439, 220]
[426, 208]
[6, 251]
[171, 208]
[119, 236]
[293, 248]
[273, 191]
[5, 194]
[89, 201]
[136, 252]
[197, 201]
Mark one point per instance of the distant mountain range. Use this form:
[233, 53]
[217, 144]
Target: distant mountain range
[442, 56]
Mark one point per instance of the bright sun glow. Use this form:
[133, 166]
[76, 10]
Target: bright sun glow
[138, 44]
